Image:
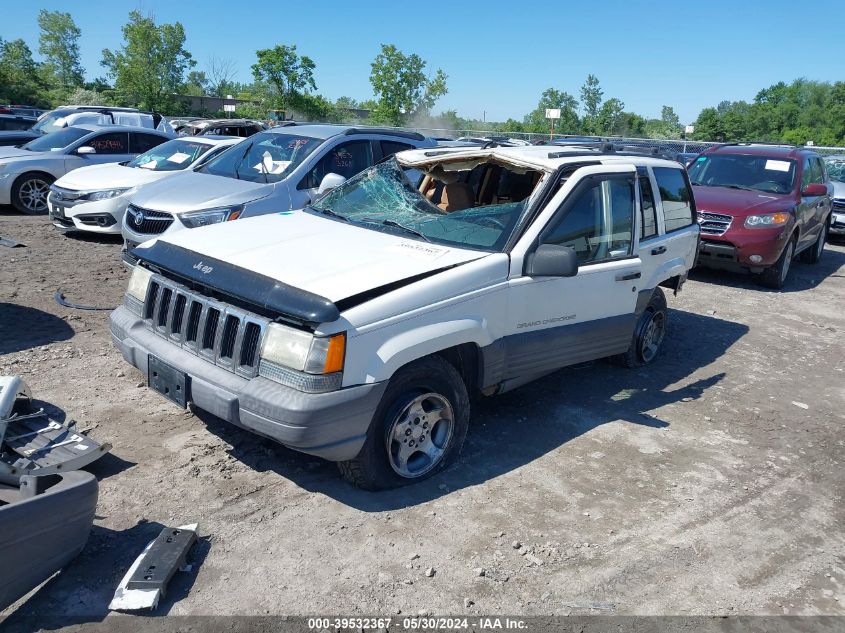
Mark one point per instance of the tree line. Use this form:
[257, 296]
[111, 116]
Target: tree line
[153, 65]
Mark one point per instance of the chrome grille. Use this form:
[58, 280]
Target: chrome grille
[147, 221]
[222, 334]
[714, 223]
[839, 204]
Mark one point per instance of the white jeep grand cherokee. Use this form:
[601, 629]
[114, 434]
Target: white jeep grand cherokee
[357, 329]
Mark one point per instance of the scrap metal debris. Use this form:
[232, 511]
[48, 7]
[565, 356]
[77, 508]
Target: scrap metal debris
[60, 299]
[5, 241]
[145, 582]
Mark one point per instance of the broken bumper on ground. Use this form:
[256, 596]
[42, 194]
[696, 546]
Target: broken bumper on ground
[329, 425]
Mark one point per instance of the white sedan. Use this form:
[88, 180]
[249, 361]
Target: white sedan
[95, 198]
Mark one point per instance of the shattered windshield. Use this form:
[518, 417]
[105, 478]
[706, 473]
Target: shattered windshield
[265, 157]
[835, 168]
[382, 198]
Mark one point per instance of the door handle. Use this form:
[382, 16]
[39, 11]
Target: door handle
[628, 276]
[658, 250]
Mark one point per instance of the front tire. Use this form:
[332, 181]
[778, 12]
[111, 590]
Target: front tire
[648, 334]
[775, 276]
[29, 193]
[417, 430]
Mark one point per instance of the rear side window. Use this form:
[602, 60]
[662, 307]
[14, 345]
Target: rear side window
[648, 212]
[140, 143]
[676, 196]
[111, 143]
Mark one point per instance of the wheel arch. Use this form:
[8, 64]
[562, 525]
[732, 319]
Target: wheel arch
[459, 342]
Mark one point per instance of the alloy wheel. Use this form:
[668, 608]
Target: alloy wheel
[33, 194]
[653, 336]
[419, 435]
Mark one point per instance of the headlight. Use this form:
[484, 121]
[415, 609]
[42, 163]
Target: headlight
[211, 216]
[302, 351]
[106, 194]
[138, 283]
[766, 221]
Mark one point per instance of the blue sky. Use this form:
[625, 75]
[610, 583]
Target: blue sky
[500, 55]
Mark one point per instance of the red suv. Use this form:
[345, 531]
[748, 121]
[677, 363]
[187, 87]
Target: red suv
[759, 206]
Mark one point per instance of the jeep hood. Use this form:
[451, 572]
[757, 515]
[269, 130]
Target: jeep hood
[325, 258]
[192, 191]
[739, 202]
[109, 176]
[838, 189]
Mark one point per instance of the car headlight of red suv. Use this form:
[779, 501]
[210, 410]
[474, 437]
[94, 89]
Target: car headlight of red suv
[767, 221]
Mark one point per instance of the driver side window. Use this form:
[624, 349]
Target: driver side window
[345, 159]
[597, 224]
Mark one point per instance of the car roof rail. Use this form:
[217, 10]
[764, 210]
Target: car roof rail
[386, 131]
[766, 143]
[611, 149]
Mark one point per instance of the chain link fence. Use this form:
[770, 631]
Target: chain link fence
[676, 146]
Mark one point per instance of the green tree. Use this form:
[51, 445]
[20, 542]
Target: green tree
[536, 121]
[609, 120]
[58, 42]
[151, 65]
[197, 83]
[401, 86]
[290, 74]
[20, 80]
[591, 96]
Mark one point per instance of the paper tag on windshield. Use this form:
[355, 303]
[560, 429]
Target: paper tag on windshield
[179, 157]
[272, 166]
[777, 165]
[418, 250]
[150, 164]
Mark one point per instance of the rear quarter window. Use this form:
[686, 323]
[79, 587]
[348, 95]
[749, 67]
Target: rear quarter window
[678, 210]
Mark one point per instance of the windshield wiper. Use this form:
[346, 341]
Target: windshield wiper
[328, 212]
[396, 225]
[739, 187]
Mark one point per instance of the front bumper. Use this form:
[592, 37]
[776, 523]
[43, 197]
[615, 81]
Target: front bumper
[837, 221]
[6, 180]
[329, 425]
[733, 250]
[100, 216]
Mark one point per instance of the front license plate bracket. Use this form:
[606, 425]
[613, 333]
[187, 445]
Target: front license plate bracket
[168, 381]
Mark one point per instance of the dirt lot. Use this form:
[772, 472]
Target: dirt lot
[709, 483]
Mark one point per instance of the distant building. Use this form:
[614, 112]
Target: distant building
[209, 103]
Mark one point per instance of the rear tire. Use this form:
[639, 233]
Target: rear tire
[775, 276]
[417, 430]
[29, 193]
[649, 333]
[813, 254]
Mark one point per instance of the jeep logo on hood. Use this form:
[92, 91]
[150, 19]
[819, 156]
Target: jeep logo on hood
[203, 268]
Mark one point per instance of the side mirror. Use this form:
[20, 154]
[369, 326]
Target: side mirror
[85, 149]
[329, 182]
[552, 260]
[814, 189]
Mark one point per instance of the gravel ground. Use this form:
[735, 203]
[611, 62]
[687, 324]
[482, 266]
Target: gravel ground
[710, 483]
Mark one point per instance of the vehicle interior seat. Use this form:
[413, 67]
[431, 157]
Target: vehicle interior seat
[456, 196]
